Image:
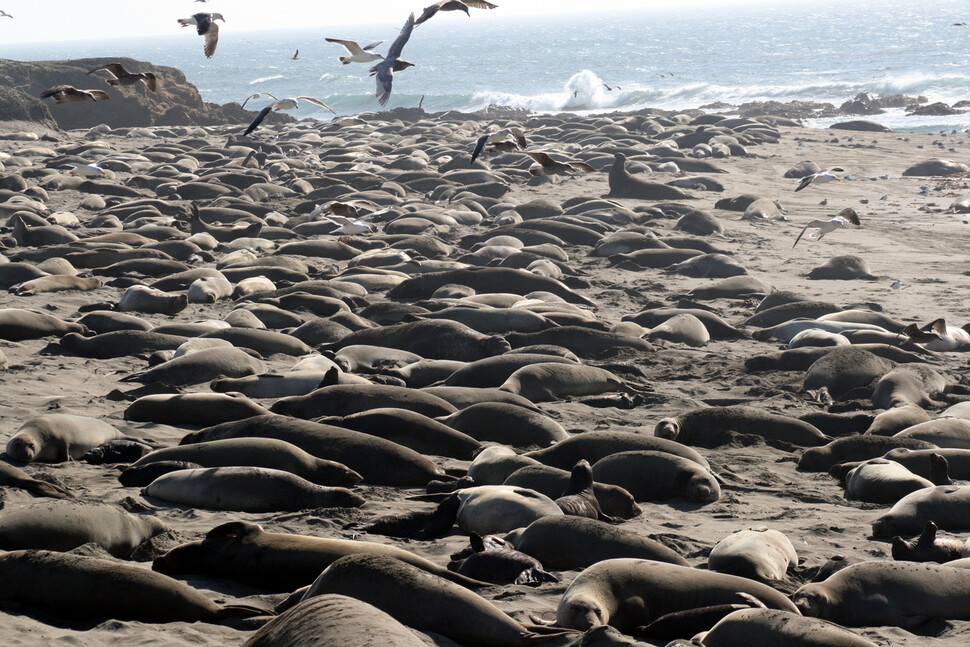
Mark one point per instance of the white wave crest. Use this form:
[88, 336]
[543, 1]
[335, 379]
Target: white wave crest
[263, 79]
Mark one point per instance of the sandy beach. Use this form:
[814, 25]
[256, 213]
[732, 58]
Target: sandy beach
[906, 234]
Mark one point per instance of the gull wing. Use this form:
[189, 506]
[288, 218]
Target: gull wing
[98, 95]
[398, 45]
[479, 145]
[350, 45]
[581, 166]
[480, 4]
[542, 158]
[808, 179]
[318, 103]
[385, 78]
[849, 214]
[339, 220]
[371, 46]
[813, 233]
[259, 119]
[116, 70]
[210, 38]
[429, 12]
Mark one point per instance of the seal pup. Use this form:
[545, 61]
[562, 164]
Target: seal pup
[628, 593]
[549, 166]
[579, 498]
[493, 560]
[888, 593]
[426, 602]
[689, 622]
[625, 185]
[772, 628]
[927, 547]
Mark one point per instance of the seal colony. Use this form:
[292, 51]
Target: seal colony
[584, 376]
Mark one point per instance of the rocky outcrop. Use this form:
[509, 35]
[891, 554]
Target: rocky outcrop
[177, 102]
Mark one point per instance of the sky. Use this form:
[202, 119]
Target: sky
[58, 20]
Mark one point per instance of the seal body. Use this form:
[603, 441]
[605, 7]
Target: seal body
[57, 437]
[760, 554]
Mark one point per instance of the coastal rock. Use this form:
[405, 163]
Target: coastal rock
[861, 124]
[932, 110]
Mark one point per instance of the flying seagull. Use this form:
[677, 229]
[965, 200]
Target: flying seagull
[288, 103]
[357, 53]
[90, 170]
[350, 209]
[296, 55]
[124, 77]
[205, 24]
[610, 89]
[549, 166]
[818, 228]
[68, 93]
[392, 63]
[4, 14]
[453, 5]
[828, 175]
[499, 141]
[348, 227]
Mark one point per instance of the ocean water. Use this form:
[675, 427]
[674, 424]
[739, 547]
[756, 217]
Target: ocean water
[823, 50]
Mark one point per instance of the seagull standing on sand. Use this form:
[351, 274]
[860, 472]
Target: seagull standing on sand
[392, 63]
[453, 5]
[499, 141]
[357, 53]
[288, 103]
[205, 25]
[549, 166]
[818, 228]
[68, 93]
[828, 175]
[124, 77]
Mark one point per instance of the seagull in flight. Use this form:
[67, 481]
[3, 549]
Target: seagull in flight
[68, 93]
[500, 141]
[357, 53]
[288, 103]
[452, 5]
[124, 77]
[549, 166]
[392, 63]
[828, 175]
[205, 25]
[350, 209]
[348, 227]
[818, 228]
[296, 55]
[4, 14]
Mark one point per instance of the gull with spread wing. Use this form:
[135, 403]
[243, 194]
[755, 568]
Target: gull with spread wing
[392, 63]
[818, 228]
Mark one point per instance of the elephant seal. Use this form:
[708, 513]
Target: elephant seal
[74, 587]
[894, 594]
[921, 462]
[842, 268]
[410, 429]
[429, 339]
[946, 505]
[843, 369]
[58, 437]
[119, 343]
[142, 476]
[681, 329]
[771, 628]
[347, 399]
[415, 524]
[610, 500]
[833, 564]
[690, 622]
[208, 289]
[554, 381]
[927, 547]
[491, 509]
[911, 384]
[952, 433]
[553, 541]
[854, 448]
[257, 452]
[594, 445]
[485, 280]
[704, 427]
[247, 489]
[628, 593]
[492, 371]
[878, 480]
[508, 424]
[242, 551]
[585, 342]
[334, 620]
[65, 525]
[141, 298]
[625, 185]
[195, 409]
[200, 366]
[671, 476]
[425, 602]
[55, 283]
[756, 553]
[379, 461]
[496, 561]
[814, 337]
[801, 359]
[19, 325]
[117, 451]
[11, 476]
[892, 421]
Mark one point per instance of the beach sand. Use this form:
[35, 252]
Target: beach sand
[907, 236]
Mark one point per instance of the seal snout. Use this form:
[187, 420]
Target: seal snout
[667, 428]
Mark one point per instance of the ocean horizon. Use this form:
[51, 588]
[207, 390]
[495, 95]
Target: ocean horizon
[622, 61]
